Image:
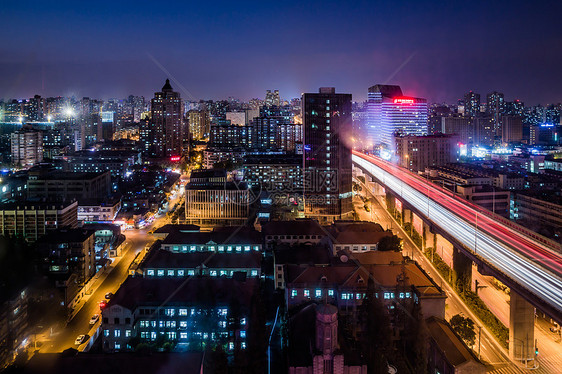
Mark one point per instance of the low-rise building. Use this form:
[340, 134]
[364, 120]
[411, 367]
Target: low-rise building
[448, 353]
[299, 231]
[34, 219]
[186, 312]
[209, 202]
[355, 236]
[494, 199]
[59, 185]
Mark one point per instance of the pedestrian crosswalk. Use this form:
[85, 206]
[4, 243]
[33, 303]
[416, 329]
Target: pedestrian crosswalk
[546, 365]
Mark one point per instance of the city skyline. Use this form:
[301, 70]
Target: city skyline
[240, 50]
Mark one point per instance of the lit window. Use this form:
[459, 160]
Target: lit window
[238, 248]
[182, 312]
[243, 334]
[330, 292]
[254, 273]
[183, 335]
[231, 346]
[306, 293]
[221, 248]
[318, 293]
[105, 332]
[117, 333]
[117, 346]
[213, 273]
[246, 248]
[191, 272]
[127, 333]
[171, 273]
[160, 273]
[293, 293]
[181, 273]
[243, 321]
[150, 272]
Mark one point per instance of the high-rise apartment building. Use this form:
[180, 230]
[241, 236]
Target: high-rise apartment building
[471, 104]
[327, 127]
[495, 106]
[272, 98]
[166, 126]
[199, 124]
[27, 147]
[390, 112]
[484, 130]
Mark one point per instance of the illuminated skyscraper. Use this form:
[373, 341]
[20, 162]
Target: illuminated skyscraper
[390, 112]
[166, 127]
[327, 156]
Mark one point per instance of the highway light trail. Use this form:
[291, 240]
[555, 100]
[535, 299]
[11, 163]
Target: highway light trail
[531, 264]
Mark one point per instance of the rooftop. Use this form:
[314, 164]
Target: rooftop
[138, 291]
[304, 226]
[219, 235]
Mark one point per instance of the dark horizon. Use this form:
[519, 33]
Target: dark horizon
[221, 50]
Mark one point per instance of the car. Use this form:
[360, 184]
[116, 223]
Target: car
[80, 339]
[108, 295]
[103, 304]
[94, 319]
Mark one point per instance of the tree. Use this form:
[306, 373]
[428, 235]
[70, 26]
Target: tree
[464, 327]
[390, 243]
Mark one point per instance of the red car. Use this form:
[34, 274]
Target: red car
[103, 304]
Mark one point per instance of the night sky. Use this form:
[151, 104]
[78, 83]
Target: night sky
[219, 49]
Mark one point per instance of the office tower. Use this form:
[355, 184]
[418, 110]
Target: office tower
[390, 112]
[471, 104]
[27, 147]
[327, 127]
[416, 153]
[512, 129]
[166, 126]
[272, 98]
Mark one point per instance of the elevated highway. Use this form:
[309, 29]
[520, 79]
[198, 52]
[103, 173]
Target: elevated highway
[529, 263]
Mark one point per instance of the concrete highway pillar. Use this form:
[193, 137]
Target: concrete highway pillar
[521, 328]
[390, 204]
[430, 237]
[462, 271]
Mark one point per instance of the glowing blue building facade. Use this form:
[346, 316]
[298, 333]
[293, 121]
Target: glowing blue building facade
[390, 112]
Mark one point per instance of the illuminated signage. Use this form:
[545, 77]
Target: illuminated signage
[175, 158]
[402, 100]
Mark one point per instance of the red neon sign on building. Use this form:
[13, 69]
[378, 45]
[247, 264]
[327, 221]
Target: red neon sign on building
[403, 100]
[175, 158]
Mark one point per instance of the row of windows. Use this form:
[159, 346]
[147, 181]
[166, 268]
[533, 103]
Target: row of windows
[348, 295]
[191, 272]
[211, 248]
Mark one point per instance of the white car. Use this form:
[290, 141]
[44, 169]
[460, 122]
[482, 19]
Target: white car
[94, 319]
[80, 339]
